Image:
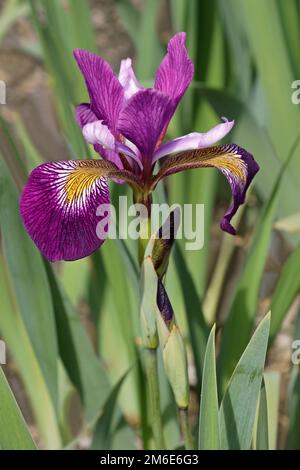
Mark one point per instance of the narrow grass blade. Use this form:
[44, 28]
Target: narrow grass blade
[29, 280]
[105, 426]
[12, 11]
[287, 288]
[83, 366]
[198, 329]
[118, 327]
[54, 34]
[81, 26]
[150, 51]
[265, 34]
[272, 385]
[289, 15]
[262, 435]
[209, 428]
[130, 17]
[238, 407]
[20, 349]
[14, 434]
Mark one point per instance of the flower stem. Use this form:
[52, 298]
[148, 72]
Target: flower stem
[185, 429]
[153, 385]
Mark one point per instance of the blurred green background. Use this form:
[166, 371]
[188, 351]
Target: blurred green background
[72, 329]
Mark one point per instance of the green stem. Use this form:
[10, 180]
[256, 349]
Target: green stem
[153, 385]
[185, 429]
[151, 352]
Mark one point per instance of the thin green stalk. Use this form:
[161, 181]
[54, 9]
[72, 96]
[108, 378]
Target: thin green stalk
[185, 428]
[150, 340]
[153, 386]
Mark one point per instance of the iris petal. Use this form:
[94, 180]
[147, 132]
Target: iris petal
[195, 140]
[85, 117]
[144, 118]
[176, 70]
[237, 165]
[106, 92]
[84, 114]
[59, 204]
[128, 79]
[97, 133]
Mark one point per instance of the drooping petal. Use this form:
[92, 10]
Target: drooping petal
[59, 204]
[144, 118]
[106, 92]
[195, 140]
[234, 162]
[58, 207]
[128, 79]
[176, 70]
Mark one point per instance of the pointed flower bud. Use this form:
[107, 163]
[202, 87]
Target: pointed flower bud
[161, 242]
[173, 349]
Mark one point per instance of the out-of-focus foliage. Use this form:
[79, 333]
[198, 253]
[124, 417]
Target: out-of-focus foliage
[72, 330]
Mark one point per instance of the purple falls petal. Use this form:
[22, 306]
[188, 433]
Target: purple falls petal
[176, 70]
[238, 166]
[238, 187]
[195, 140]
[144, 118]
[106, 92]
[58, 207]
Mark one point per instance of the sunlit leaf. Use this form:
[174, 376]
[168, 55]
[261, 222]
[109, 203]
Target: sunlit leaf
[238, 407]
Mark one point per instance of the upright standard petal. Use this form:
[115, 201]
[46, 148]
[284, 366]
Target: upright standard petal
[106, 92]
[84, 115]
[176, 70]
[195, 140]
[128, 79]
[143, 120]
[234, 162]
[59, 204]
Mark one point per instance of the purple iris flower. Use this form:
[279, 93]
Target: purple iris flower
[126, 124]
